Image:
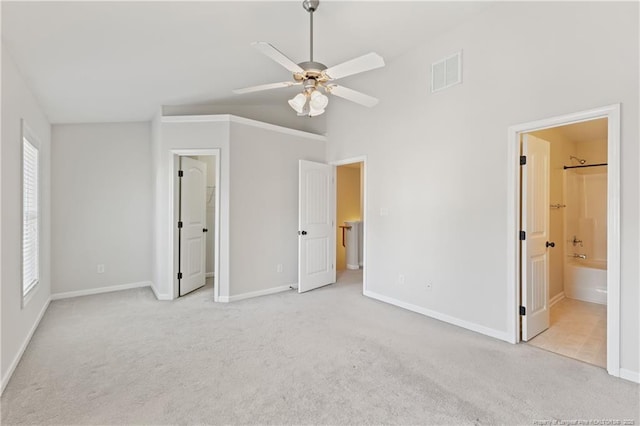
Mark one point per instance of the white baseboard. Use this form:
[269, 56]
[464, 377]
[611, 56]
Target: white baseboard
[632, 376]
[555, 299]
[160, 296]
[16, 360]
[208, 275]
[501, 335]
[256, 293]
[99, 290]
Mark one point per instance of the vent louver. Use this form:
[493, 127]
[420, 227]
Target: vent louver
[446, 72]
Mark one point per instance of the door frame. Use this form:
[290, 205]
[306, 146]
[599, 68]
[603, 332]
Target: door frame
[360, 159]
[612, 113]
[173, 214]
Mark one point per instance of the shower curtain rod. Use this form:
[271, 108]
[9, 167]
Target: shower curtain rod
[583, 166]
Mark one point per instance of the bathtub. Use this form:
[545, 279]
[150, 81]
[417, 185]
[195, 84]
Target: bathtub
[586, 280]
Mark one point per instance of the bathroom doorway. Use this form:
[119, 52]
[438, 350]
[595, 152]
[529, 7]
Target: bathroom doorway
[350, 224]
[566, 260]
[576, 243]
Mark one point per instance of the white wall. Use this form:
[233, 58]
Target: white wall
[437, 161]
[264, 206]
[258, 173]
[18, 102]
[101, 204]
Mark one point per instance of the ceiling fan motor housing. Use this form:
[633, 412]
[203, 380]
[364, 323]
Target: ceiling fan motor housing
[312, 71]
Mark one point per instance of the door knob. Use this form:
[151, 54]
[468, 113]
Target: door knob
[303, 232]
[205, 230]
[550, 244]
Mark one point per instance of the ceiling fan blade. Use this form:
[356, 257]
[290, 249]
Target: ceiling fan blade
[363, 63]
[353, 95]
[270, 51]
[265, 87]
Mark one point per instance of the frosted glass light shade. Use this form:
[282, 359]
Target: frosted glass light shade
[313, 111]
[298, 102]
[318, 101]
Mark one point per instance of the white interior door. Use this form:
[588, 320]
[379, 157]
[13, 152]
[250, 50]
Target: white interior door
[535, 247]
[193, 214]
[316, 232]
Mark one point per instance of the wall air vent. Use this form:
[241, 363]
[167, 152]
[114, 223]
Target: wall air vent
[446, 72]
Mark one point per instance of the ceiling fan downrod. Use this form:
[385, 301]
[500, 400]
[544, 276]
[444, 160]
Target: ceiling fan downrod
[310, 6]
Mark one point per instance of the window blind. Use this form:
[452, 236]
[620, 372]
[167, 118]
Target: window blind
[30, 218]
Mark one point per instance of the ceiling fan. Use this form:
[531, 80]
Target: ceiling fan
[315, 77]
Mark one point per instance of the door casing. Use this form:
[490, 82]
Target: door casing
[612, 113]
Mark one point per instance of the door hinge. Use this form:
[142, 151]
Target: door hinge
[523, 235]
[523, 160]
[180, 173]
[523, 310]
[179, 224]
[179, 275]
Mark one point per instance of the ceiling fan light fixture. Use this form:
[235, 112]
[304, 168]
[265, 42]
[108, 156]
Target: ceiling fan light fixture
[314, 76]
[298, 102]
[318, 101]
[305, 111]
[314, 112]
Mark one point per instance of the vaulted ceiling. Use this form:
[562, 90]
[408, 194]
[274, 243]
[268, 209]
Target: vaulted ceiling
[120, 61]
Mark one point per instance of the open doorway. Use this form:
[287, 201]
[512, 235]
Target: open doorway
[350, 224]
[575, 246]
[566, 262]
[196, 218]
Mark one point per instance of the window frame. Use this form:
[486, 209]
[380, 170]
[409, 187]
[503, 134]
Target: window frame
[28, 136]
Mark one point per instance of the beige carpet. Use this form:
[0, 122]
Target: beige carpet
[330, 356]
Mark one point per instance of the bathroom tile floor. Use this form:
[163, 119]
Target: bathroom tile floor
[578, 330]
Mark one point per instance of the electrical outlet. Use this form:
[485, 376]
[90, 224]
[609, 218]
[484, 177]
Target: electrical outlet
[401, 279]
[101, 268]
[279, 267]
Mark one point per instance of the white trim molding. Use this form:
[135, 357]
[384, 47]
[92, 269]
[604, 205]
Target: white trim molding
[497, 334]
[612, 113]
[160, 296]
[632, 376]
[100, 290]
[258, 293]
[212, 118]
[23, 347]
[555, 299]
